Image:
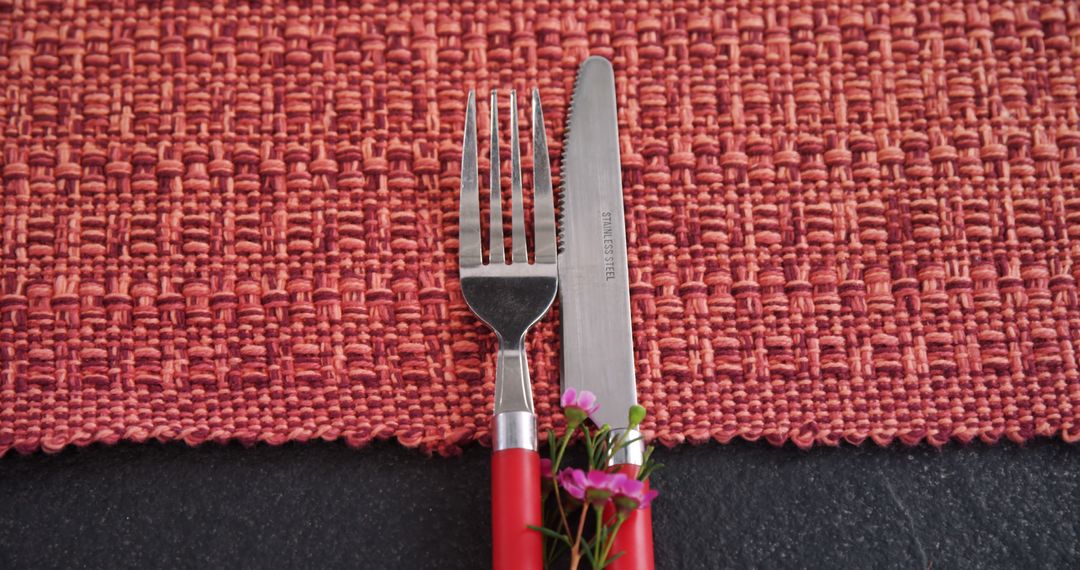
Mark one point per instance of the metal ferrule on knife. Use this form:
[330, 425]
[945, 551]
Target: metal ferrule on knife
[632, 453]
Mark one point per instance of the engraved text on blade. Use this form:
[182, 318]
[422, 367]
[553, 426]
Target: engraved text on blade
[607, 231]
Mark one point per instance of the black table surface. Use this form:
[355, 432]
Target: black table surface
[739, 505]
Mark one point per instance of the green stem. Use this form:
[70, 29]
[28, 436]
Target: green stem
[575, 552]
[599, 534]
[611, 540]
[551, 545]
[562, 511]
[562, 448]
[555, 464]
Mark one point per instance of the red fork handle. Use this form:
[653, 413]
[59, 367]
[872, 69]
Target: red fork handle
[634, 539]
[515, 504]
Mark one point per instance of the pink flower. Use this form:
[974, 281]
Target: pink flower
[632, 494]
[545, 468]
[594, 487]
[547, 478]
[578, 405]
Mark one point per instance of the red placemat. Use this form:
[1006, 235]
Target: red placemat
[846, 220]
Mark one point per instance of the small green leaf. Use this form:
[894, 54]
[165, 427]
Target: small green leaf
[597, 458]
[550, 534]
[648, 470]
[647, 457]
[588, 554]
[613, 558]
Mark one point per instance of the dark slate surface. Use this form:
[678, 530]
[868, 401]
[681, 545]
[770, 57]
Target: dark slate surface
[735, 506]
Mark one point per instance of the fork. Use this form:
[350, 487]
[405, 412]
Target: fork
[510, 298]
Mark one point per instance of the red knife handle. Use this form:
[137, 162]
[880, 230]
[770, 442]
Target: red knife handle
[634, 538]
[515, 504]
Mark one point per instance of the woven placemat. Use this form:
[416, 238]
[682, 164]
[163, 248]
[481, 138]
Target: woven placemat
[846, 220]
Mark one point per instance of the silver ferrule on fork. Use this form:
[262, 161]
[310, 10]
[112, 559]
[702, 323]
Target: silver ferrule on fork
[514, 430]
[633, 453]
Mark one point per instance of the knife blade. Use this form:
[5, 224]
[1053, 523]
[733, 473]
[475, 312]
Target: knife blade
[597, 340]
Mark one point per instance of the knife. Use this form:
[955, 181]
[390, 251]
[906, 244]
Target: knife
[597, 345]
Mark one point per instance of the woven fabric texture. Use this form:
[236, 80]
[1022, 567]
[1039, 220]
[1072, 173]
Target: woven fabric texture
[235, 221]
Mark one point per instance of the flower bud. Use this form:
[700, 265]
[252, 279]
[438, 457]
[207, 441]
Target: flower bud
[575, 416]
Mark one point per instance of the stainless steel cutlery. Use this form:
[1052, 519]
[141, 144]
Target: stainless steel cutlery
[588, 268]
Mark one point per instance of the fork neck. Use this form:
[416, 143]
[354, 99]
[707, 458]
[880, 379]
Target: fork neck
[513, 389]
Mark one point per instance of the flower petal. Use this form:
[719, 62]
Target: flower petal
[587, 401]
[569, 480]
[632, 487]
[545, 468]
[569, 397]
[598, 479]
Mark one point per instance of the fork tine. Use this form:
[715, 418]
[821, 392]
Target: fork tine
[469, 251]
[543, 201]
[519, 246]
[496, 248]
